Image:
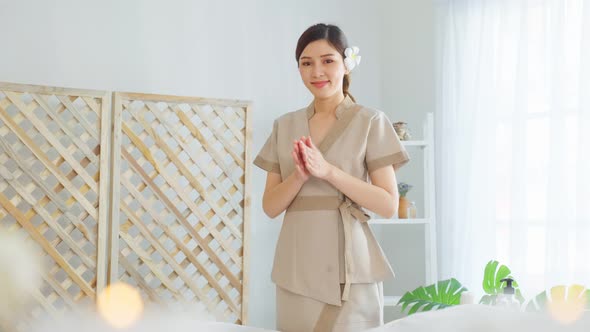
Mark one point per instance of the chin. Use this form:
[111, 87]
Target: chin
[322, 94]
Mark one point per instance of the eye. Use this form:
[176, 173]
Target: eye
[306, 63]
[329, 61]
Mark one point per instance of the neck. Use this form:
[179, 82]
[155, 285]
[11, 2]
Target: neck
[329, 104]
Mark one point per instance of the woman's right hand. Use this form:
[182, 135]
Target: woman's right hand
[301, 173]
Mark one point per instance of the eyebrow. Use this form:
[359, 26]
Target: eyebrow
[307, 57]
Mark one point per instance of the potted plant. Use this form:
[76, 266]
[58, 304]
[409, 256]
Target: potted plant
[446, 293]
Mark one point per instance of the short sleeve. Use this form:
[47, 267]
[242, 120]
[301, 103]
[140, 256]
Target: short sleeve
[268, 158]
[383, 145]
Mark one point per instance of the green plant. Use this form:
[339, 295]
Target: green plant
[577, 294]
[447, 293]
[493, 284]
[441, 295]
[403, 188]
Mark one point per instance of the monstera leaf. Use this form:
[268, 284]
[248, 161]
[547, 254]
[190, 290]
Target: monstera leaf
[538, 303]
[492, 284]
[572, 296]
[564, 304]
[443, 294]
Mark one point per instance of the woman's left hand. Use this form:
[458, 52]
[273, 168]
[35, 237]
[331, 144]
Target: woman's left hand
[313, 159]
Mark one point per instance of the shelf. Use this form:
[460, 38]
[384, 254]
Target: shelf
[391, 301]
[419, 221]
[415, 143]
[423, 228]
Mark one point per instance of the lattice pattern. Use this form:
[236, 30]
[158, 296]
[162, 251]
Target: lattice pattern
[182, 200]
[50, 183]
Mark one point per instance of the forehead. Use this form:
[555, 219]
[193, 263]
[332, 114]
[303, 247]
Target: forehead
[318, 48]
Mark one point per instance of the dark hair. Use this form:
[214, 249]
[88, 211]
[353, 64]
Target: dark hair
[334, 36]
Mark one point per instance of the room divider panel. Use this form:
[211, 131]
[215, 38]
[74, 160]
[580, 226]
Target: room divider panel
[180, 199]
[151, 190]
[53, 185]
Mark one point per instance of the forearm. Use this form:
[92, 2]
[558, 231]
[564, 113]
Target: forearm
[277, 199]
[367, 195]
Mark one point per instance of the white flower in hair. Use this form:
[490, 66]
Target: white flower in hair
[351, 57]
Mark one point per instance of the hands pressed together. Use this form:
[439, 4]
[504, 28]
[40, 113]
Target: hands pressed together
[308, 159]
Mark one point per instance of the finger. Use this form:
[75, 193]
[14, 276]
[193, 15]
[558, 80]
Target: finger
[299, 150]
[296, 158]
[302, 140]
[308, 142]
[303, 150]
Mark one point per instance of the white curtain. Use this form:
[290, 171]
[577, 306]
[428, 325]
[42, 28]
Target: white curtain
[513, 140]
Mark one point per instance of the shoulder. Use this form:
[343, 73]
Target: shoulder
[289, 117]
[370, 114]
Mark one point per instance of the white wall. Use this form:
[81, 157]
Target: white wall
[407, 94]
[224, 49]
[408, 74]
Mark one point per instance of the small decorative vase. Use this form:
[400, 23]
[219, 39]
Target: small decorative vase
[402, 211]
[401, 128]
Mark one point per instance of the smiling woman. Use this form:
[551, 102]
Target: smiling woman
[325, 163]
[319, 54]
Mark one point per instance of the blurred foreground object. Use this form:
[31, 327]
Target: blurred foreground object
[19, 275]
[120, 305]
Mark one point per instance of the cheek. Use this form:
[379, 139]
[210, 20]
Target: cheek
[338, 78]
[303, 73]
[338, 73]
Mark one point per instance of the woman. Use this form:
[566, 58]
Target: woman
[328, 267]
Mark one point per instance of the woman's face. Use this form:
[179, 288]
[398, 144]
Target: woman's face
[322, 69]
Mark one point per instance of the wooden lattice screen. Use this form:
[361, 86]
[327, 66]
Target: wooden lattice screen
[181, 200]
[173, 171]
[53, 185]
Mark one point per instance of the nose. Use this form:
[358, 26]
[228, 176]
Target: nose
[318, 71]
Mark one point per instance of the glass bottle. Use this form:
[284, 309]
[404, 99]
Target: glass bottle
[411, 212]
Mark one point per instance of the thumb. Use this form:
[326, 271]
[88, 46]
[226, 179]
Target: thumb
[308, 142]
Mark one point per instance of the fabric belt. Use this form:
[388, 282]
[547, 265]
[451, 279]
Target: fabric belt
[349, 211]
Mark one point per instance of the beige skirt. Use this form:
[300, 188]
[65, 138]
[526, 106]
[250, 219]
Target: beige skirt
[363, 310]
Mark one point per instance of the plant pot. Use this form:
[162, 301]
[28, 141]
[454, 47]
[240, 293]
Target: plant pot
[402, 211]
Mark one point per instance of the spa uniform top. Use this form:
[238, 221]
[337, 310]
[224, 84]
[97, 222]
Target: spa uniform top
[325, 240]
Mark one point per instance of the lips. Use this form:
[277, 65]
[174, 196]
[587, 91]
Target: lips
[320, 84]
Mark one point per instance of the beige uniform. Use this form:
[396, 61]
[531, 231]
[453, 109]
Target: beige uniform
[325, 246]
